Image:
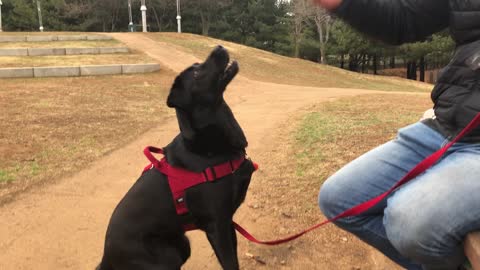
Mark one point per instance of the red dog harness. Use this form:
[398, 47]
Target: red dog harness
[180, 179]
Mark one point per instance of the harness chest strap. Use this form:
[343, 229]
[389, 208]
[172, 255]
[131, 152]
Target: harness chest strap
[180, 179]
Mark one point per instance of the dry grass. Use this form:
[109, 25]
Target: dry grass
[337, 132]
[265, 66]
[333, 134]
[321, 142]
[62, 44]
[73, 60]
[54, 126]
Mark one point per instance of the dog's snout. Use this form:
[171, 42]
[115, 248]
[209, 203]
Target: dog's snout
[220, 49]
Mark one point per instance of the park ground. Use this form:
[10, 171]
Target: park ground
[70, 148]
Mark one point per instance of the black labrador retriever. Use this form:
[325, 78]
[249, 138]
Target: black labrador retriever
[145, 231]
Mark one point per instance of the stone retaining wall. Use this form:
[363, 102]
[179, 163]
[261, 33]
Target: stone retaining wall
[94, 70]
[61, 51]
[52, 38]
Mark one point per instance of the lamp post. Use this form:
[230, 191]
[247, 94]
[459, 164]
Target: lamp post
[130, 25]
[143, 8]
[39, 9]
[1, 30]
[179, 18]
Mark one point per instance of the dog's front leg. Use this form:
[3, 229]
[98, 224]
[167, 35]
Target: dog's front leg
[223, 239]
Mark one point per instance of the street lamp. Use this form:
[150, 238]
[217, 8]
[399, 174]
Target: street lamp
[143, 8]
[1, 30]
[130, 25]
[39, 9]
[179, 18]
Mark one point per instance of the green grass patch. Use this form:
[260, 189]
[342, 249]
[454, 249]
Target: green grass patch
[5, 176]
[339, 131]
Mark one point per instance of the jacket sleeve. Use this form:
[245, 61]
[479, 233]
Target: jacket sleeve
[396, 21]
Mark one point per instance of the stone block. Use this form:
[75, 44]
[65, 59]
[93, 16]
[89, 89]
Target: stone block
[72, 37]
[98, 37]
[16, 72]
[105, 50]
[46, 51]
[40, 72]
[14, 52]
[140, 68]
[79, 51]
[13, 38]
[41, 38]
[100, 70]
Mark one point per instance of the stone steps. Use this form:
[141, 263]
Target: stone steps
[67, 71]
[76, 71]
[61, 51]
[42, 38]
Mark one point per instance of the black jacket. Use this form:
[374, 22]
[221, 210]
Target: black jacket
[457, 93]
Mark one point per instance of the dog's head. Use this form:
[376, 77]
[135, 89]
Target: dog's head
[197, 96]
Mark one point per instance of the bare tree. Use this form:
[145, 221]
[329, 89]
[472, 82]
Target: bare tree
[162, 10]
[323, 21]
[300, 16]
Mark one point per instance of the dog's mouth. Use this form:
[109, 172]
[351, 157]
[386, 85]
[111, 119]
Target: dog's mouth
[230, 71]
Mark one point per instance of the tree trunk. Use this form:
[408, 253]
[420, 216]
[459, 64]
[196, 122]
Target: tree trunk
[322, 44]
[392, 62]
[409, 70]
[205, 23]
[375, 64]
[322, 21]
[159, 24]
[353, 63]
[342, 61]
[364, 60]
[296, 48]
[422, 69]
[412, 70]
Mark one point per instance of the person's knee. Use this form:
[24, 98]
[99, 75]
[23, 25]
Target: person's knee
[404, 231]
[416, 237]
[330, 198]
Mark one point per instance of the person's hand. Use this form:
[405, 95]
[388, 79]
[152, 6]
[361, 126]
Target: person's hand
[328, 4]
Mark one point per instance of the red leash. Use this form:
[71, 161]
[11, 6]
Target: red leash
[363, 207]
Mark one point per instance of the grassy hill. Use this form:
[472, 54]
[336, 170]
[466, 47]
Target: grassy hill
[261, 65]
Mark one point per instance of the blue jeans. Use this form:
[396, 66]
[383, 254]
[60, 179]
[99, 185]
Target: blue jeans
[423, 224]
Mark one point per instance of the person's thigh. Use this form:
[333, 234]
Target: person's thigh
[378, 170]
[427, 219]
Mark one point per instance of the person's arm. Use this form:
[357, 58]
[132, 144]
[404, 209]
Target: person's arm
[393, 21]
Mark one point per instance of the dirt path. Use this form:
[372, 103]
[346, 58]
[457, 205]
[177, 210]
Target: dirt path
[62, 226]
